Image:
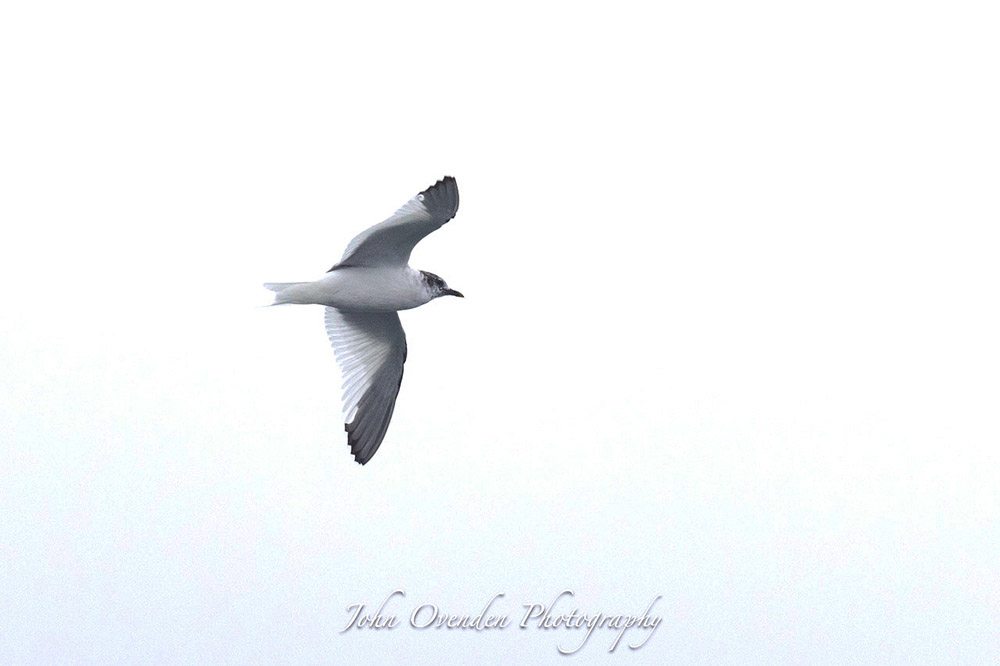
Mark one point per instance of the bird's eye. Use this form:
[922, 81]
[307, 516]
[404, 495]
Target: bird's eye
[420, 197]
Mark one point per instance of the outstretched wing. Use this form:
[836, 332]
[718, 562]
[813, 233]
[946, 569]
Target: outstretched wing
[389, 243]
[371, 350]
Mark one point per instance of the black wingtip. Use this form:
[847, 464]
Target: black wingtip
[355, 445]
[442, 197]
[445, 180]
[354, 442]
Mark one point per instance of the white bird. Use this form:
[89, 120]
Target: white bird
[362, 294]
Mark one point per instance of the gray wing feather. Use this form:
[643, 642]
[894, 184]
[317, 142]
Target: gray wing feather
[371, 350]
[390, 243]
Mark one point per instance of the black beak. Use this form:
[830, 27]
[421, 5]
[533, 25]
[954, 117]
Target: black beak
[452, 292]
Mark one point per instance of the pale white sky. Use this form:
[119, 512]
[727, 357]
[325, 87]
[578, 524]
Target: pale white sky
[729, 334]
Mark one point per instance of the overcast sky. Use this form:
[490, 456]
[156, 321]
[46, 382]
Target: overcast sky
[729, 335]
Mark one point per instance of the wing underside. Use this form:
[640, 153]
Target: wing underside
[390, 243]
[371, 349]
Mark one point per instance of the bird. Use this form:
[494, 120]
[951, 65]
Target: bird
[362, 295]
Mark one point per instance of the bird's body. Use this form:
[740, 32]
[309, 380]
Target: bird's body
[361, 295]
[361, 289]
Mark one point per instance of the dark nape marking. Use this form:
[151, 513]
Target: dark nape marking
[432, 281]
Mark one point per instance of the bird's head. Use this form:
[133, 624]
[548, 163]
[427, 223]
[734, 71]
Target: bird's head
[437, 286]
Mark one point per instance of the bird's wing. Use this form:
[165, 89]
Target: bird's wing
[389, 243]
[371, 350]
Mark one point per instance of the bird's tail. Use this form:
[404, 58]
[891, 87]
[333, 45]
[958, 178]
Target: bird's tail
[279, 289]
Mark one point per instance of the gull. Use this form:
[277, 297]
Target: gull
[362, 294]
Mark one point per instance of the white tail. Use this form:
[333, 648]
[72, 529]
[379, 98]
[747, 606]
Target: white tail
[278, 288]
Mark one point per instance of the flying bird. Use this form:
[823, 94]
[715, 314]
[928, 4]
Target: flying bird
[362, 294]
